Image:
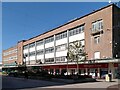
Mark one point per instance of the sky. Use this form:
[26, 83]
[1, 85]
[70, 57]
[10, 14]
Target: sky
[24, 20]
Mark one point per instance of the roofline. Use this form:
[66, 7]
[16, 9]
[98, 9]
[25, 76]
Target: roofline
[72, 21]
[9, 48]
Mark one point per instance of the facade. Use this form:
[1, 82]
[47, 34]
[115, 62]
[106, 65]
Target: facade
[99, 34]
[10, 57]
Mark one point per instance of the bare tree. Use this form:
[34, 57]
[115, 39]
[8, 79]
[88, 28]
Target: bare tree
[76, 53]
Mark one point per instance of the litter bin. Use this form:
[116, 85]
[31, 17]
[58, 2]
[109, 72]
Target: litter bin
[107, 78]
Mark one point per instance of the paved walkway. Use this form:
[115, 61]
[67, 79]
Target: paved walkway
[100, 84]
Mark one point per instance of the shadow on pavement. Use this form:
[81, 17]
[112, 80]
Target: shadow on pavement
[13, 83]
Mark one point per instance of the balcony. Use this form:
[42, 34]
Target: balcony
[96, 31]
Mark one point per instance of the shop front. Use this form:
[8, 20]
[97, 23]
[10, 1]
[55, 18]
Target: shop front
[95, 70]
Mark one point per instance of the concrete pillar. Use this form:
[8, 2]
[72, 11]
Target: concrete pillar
[98, 72]
[60, 70]
[86, 71]
[54, 49]
[111, 68]
[54, 71]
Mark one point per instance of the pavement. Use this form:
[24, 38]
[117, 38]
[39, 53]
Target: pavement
[29, 84]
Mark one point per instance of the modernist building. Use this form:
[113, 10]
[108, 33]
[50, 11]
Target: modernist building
[99, 33]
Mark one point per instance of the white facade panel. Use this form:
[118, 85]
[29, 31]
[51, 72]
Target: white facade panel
[40, 47]
[61, 41]
[32, 49]
[25, 51]
[33, 62]
[32, 57]
[77, 37]
[40, 57]
[49, 55]
[61, 53]
[51, 44]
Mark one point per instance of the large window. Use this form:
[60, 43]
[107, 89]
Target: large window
[76, 30]
[61, 36]
[50, 39]
[48, 60]
[32, 53]
[97, 25]
[39, 52]
[60, 59]
[32, 45]
[39, 42]
[25, 47]
[49, 50]
[61, 47]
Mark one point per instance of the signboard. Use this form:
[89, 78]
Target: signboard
[98, 65]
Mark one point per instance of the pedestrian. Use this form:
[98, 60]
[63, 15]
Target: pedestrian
[110, 76]
[26, 75]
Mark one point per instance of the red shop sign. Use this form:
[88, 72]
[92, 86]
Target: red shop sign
[101, 65]
[115, 64]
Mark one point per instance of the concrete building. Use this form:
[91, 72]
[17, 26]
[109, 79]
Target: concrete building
[99, 33]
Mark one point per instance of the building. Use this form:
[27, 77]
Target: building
[10, 57]
[99, 33]
[0, 66]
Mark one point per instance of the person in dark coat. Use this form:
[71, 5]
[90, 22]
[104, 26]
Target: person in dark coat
[26, 75]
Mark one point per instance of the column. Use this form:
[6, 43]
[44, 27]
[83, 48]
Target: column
[54, 49]
[67, 49]
[44, 49]
[112, 69]
[35, 53]
[86, 70]
[98, 72]
[28, 54]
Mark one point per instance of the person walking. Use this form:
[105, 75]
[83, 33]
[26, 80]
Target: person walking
[110, 76]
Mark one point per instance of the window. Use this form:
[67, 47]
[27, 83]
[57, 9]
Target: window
[39, 52]
[32, 53]
[25, 47]
[49, 50]
[48, 60]
[61, 36]
[97, 55]
[50, 39]
[97, 39]
[61, 47]
[32, 45]
[39, 42]
[76, 30]
[60, 59]
[97, 25]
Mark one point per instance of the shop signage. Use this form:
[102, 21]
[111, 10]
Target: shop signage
[100, 65]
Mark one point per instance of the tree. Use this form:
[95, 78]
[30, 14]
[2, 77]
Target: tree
[76, 53]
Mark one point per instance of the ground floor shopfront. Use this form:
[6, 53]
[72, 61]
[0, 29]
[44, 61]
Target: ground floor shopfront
[98, 70]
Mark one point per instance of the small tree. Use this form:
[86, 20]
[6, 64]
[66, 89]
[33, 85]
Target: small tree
[76, 53]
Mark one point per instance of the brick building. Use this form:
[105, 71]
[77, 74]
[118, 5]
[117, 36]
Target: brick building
[99, 33]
